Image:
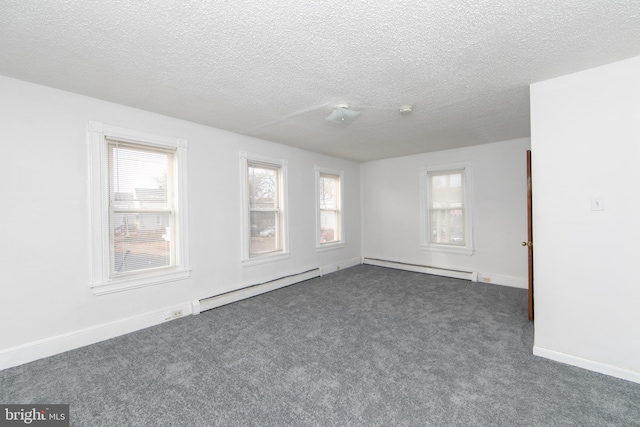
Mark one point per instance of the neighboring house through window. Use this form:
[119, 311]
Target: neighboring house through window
[138, 208]
[329, 187]
[446, 208]
[264, 236]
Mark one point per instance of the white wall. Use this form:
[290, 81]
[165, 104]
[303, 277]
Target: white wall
[586, 144]
[44, 259]
[391, 211]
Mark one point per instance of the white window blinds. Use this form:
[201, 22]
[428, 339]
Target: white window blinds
[446, 207]
[330, 205]
[264, 208]
[141, 207]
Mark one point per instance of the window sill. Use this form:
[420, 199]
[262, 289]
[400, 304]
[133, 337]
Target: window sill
[265, 259]
[448, 249]
[329, 246]
[124, 284]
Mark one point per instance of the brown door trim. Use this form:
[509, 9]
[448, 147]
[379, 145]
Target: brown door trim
[530, 233]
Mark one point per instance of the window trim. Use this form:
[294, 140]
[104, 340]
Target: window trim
[425, 217]
[320, 247]
[101, 281]
[245, 234]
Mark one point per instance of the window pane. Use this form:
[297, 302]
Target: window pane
[447, 190]
[438, 181]
[264, 232]
[138, 177]
[140, 182]
[455, 180]
[140, 241]
[329, 226]
[262, 187]
[330, 205]
[328, 192]
[447, 227]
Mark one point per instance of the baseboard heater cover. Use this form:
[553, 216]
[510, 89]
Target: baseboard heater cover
[254, 290]
[437, 271]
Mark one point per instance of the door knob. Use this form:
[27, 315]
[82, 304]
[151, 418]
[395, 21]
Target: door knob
[526, 244]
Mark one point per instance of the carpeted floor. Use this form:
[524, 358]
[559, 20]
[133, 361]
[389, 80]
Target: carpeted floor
[364, 346]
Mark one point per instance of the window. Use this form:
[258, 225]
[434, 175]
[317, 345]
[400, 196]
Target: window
[329, 211]
[447, 209]
[138, 208]
[141, 208]
[264, 209]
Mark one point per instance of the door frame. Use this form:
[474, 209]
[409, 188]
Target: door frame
[529, 242]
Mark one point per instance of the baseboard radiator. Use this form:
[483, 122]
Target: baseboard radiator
[437, 271]
[252, 290]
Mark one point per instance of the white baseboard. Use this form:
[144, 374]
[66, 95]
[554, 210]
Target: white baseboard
[340, 265]
[467, 275]
[590, 365]
[251, 291]
[35, 350]
[497, 279]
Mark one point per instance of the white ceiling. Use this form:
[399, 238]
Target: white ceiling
[274, 69]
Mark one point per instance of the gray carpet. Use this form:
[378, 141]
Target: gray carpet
[363, 346]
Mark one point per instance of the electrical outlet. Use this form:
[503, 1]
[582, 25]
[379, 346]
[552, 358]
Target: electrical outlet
[597, 203]
[173, 314]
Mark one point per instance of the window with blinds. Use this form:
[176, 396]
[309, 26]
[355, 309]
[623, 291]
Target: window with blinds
[138, 208]
[329, 199]
[446, 208]
[264, 232]
[264, 208]
[141, 207]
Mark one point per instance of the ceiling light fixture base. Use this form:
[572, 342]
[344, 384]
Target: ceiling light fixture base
[342, 115]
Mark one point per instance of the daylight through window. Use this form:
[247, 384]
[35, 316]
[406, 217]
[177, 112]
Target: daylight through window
[141, 208]
[138, 205]
[446, 208]
[329, 208]
[265, 223]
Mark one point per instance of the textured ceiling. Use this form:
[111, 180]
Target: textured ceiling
[275, 69]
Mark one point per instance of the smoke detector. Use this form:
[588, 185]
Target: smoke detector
[406, 109]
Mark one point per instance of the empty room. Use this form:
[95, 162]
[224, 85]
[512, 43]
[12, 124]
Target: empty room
[319, 213]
